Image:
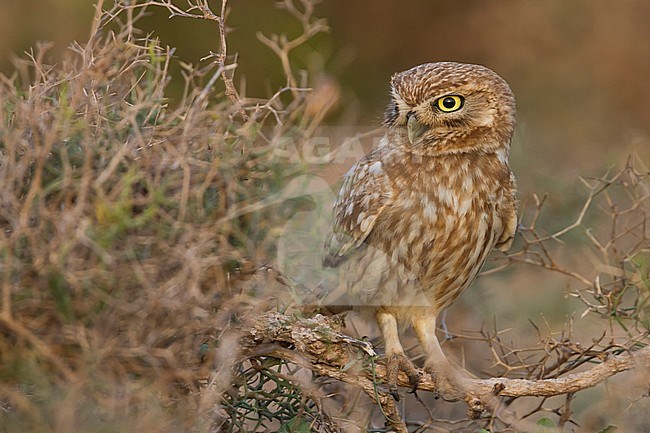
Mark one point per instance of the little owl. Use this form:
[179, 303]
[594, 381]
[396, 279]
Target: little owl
[416, 218]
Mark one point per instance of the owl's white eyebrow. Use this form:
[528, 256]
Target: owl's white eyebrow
[402, 106]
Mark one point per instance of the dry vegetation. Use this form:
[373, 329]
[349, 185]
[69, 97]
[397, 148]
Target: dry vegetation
[136, 238]
[120, 258]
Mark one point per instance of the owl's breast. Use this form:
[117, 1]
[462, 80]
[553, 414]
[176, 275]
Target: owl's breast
[436, 225]
[441, 224]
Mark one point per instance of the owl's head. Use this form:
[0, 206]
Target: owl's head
[448, 107]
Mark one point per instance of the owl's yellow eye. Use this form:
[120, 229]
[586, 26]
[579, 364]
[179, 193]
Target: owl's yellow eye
[449, 103]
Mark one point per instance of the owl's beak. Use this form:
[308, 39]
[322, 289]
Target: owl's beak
[414, 128]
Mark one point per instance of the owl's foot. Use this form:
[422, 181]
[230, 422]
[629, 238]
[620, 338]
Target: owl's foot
[451, 383]
[396, 362]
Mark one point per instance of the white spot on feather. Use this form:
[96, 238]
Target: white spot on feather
[375, 168]
[430, 211]
[464, 206]
[364, 224]
[448, 197]
[502, 154]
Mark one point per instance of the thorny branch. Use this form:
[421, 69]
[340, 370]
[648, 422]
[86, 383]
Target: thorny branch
[618, 262]
[282, 46]
[200, 9]
[317, 344]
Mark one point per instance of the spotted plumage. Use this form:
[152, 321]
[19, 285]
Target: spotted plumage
[416, 218]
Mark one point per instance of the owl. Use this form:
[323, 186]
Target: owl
[416, 218]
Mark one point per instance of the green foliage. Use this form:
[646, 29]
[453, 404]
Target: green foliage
[267, 398]
[545, 425]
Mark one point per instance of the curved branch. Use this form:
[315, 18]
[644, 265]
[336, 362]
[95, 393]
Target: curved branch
[571, 382]
[317, 344]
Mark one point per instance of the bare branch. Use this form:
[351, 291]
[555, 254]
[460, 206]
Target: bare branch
[596, 189]
[282, 46]
[200, 9]
[318, 344]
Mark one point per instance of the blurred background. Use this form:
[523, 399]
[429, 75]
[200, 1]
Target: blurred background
[579, 71]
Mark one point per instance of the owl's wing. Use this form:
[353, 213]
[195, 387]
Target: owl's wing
[508, 220]
[365, 191]
[509, 228]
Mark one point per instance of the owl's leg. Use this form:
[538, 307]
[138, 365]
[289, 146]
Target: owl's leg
[449, 380]
[396, 359]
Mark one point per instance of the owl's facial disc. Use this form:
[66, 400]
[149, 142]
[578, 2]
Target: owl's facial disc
[446, 107]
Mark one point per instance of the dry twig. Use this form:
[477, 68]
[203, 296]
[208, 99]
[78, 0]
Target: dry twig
[200, 9]
[318, 345]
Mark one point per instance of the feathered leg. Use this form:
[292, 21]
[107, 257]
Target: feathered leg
[448, 379]
[396, 359]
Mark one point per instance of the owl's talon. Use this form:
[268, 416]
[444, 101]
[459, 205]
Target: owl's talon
[393, 392]
[396, 362]
[449, 384]
[414, 380]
